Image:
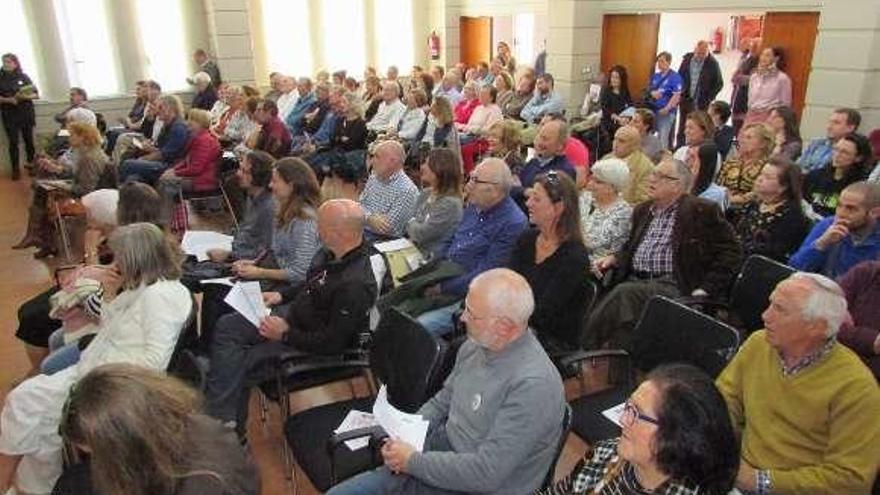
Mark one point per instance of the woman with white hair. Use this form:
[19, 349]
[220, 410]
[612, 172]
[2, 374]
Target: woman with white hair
[206, 93]
[140, 326]
[605, 216]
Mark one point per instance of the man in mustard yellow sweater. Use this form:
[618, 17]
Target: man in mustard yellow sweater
[806, 407]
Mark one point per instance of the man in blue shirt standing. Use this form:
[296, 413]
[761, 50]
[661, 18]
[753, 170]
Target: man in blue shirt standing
[851, 236]
[488, 231]
[665, 91]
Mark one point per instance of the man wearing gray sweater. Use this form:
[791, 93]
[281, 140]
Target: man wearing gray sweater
[496, 422]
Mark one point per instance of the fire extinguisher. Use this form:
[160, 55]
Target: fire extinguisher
[434, 45]
[717, 40]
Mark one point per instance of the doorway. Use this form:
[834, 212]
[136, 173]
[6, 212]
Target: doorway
[525, 33]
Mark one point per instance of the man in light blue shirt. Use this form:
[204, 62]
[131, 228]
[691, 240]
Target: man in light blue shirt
[449, 89]
[306, 100]
[817, 154]
[544, 102]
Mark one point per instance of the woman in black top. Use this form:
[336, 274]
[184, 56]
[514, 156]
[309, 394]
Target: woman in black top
[554, 260]
[614, 98]
[851, 161]
[17, 93]
[773, 224]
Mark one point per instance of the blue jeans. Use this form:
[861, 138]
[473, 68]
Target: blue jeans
[664, 124]
[147, 171]
[438, 322]
[61, 355]
[381, 481]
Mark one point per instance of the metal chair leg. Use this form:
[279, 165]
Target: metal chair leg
[65, 240]
[228, 205]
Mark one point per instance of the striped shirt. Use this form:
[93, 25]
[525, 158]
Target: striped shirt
[295, 244]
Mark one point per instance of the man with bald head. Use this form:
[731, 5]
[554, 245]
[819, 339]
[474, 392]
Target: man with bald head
[701, 82]
[322, 316]
[549, 146]
[489, 228]
[390, 110]
[495, 424]
[627, 146]
[389, 197]
[805, 406]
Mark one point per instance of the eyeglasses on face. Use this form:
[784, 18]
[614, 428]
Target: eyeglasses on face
[661, 176]
[477, 180]
[631, 414]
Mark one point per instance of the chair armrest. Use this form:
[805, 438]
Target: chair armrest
[704, 304]
[579, 356]
[376, 434]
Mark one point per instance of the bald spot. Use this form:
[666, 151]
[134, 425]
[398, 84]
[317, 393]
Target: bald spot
[342, 215]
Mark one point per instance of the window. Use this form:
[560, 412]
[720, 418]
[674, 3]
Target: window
[394, 34]
[91, 64]
[524, 34]
[344, 52]
[286, 31]
[162, 34]
[15, 37]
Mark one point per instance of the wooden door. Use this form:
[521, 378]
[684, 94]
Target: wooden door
[475, 40]
[795, 33]
[631, 41]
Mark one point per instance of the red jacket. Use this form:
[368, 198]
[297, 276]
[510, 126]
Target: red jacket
[464, 109]
[200, 164]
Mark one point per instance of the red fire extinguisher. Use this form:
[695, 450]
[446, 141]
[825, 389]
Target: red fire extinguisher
[717, 40]
[434, 45]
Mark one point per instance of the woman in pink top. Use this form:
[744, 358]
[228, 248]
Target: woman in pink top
[465, 107]
[484, 115]
[769, 87]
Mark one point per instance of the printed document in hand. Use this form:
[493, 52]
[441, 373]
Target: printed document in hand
[198, 242]
[409, 428]
[613, 413]
[354, 420]
[247, 299]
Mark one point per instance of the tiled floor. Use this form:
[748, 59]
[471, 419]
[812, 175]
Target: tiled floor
[22, 277]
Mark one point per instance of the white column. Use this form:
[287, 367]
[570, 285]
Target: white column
[231, 39]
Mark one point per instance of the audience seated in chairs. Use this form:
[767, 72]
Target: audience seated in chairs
[438, 208]
[504, 142]
[702, 160]
[549, 155]
[470, 99]
[483, 116]
[773, 224]
[170, 146]
[389, 111]
[553, 259]
[294, 240]
[389, 197]
[317, 111]
[371, 96]
[234, 124]
[604, 215]
[324, 316]
[274, 138]
[140, 326]
[817, 154]
[301, 105]
[197, 171]
[544, 101]
[861, 286]
[643, 121]
[851, 160]
[852, 235]
[412, 123]
[288, 95]
[678, 245]
[783, 122]
[139, 431]
[698, 129]
[525, 88]
[738, 174]
[206, 93]
[221, 105]
[677, 439]
[349, 135]
[627, 146]
[798, 399]
[132, 120]
[487, 234]
[495, 425]
[326, 111]
[440, 131]
[149, 127]
[86, 171]
[448, 89]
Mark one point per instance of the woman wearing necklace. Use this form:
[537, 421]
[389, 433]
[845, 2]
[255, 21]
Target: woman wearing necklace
[554, 260]
[677, 439]
[773, 224]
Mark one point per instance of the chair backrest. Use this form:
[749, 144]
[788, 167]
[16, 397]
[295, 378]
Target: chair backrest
[404, 357]
[563, 436]
[670, 332]
[187, 338]
[751, 292]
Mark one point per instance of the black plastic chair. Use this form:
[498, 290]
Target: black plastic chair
[184, 363]
[212, 194]
[405, 358]
[566, 429]
[667, 332]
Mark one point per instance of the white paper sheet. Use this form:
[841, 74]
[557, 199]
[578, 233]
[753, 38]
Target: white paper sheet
[613, 413]
[354, 420]
[409, 428]
[218, 281]
[246, 298]
[198, 242]
[394, 245]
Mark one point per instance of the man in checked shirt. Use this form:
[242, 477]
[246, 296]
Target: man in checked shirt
[678, 245]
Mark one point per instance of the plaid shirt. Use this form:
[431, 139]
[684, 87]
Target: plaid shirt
[817, 155]
[603, 472]
[807, 360]
[395, 198]
[654, 253]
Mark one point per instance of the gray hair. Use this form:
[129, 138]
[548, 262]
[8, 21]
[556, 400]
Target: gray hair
[101, 206]
[612, 171]
[392, 85]
[826, 301]
[144, 255]
[685, 176]
[172, 101]
[201, 78]
[355, 104]
[500, 173]
[508, 294]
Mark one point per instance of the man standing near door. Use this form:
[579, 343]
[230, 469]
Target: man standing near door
[701, 82]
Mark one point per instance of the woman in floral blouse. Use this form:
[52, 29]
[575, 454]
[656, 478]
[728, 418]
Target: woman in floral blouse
[605, 216]
[738, 174]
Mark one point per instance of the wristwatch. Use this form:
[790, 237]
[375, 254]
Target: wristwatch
[763, 483]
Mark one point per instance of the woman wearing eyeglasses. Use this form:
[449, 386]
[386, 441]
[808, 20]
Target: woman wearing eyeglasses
[551, 256]
[676, 439]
